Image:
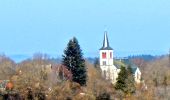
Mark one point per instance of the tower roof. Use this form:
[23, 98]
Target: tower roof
[106, 43]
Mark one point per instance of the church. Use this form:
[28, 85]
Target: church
[109, 69]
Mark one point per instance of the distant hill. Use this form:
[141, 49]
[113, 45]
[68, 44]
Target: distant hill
[20, 57]
[144, 57]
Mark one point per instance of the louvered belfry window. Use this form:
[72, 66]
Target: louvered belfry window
[110, 54]
[104, 55]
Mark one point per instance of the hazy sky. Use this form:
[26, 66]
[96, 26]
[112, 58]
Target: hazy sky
[134, 26]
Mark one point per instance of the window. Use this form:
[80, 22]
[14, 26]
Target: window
[104, 62]
[104, 55]
[110, 54]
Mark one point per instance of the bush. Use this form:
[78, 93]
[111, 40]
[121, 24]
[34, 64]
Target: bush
[103, 96]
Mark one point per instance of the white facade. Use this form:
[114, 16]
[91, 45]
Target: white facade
[109, 57]
[137, 75]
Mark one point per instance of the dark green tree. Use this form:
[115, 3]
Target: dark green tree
[130, 81]
[104, 96]
[165, 81]
[121, 80]
[74, 61]
[96, 62]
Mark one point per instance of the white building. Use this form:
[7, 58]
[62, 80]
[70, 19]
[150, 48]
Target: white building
[109, 70]
[137, 75]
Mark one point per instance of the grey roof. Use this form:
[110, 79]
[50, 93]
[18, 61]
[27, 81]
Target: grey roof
[134, 69]
[106, 43]
[117, 66]
[132, 65]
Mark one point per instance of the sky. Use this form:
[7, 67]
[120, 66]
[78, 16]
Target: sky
[46, 26]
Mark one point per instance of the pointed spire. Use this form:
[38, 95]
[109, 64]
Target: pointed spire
[106, 42]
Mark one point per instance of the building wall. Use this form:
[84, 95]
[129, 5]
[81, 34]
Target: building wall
[108, 68]
[114, 74]
[108, 59]
[137, 76]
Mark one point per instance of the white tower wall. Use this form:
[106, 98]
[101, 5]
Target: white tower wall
[108, 59]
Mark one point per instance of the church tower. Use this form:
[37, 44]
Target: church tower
[106, 57]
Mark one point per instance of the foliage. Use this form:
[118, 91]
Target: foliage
[121, 80]
[31, 74]
[125, 81]
[74, 61]
[96, 62]
[104, 96]
[165, 81]
[7, 67]
[130, 81]
[144, 57]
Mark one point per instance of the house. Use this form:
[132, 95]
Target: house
[109, 69]
[137, 74]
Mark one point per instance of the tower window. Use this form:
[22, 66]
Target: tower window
[104, 55]
[104, 62]
[110, 54]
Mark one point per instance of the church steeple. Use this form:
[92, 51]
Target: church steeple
[106, 58]
[106, 43]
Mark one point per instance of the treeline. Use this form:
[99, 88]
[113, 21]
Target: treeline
[41, 78]
[144, 57]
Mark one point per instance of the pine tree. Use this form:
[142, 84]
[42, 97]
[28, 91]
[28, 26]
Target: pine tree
[130, 81]
[74, 61]
[121, 80]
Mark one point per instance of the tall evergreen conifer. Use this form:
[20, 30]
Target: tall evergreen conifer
[121, 80]
[74, 61]
[130, 81]
[125, 81]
